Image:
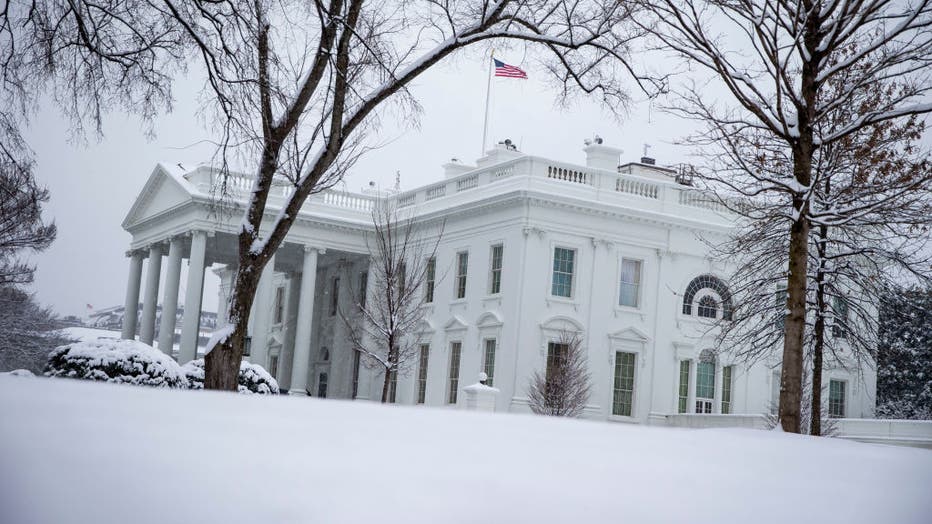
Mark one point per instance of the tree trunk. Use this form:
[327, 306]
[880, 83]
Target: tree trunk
[795, 328]
[815, 425]
[385, 385]
[221, 365]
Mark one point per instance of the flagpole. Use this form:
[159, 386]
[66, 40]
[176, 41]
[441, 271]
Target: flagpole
[488, 89]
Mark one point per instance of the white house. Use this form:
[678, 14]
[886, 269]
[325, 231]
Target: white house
[531, 248]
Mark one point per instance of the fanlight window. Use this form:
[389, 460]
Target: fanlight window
[708, 305]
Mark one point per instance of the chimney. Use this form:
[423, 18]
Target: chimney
[454, 168]
[501, 152]
[601, 156]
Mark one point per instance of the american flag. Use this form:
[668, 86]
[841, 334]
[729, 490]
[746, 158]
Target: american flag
[510, 71]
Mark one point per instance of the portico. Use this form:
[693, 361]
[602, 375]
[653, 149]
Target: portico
[292, 317]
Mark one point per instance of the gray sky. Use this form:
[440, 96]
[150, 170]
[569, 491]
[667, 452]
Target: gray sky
[93, 185]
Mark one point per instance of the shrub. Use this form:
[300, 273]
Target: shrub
[117, 361]
[253, 378]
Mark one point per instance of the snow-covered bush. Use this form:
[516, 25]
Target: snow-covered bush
[19, 373]
[118, 361]
[253, 378]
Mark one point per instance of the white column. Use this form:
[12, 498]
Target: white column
[147, 330]
[190, 324]
[302, 343]
[170, 297]
[364, 389]
[262, 311]
[131, 306]
[691, 394]
[286, 359]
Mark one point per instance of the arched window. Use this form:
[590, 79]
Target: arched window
[708, 307]
[714, 284]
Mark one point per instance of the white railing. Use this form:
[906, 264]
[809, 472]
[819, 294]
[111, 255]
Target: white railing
[435, 192]
[348, 200]
[407, 200]
[696, 198]
[640, 188]
[658, 194]
[569, 175]
[470, 182]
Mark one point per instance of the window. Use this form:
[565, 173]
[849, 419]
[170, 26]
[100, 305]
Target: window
[705, 386]
[392, 385]
[363, 284]
[422, 374]
[623, 396]
[322, 385]
[454, 375]
[324, 354]
[630, 292]
[334, 296]
[279, 304]
[684, 387]
[708, 307]
[247, 346]
[563, 262]
[495, 270]
[556, 357]
[431, 276]
[708, 282]
[840, 321]
[836, 398]
[462, 264]
[356, 358]
[726, 389]
[782, 295]
[273, 365]
[488, 360]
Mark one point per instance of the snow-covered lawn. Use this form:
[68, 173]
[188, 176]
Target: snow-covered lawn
[75, 451]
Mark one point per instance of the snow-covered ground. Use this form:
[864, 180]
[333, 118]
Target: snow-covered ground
[76, 451]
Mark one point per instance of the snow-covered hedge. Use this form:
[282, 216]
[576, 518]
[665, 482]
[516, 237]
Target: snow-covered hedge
[253, 378]
[118, 361]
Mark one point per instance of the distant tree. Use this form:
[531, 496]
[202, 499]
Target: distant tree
[904, 358]
[28, 331]
[775, 61]
[563, 388]
[21, 226]
[382, 324]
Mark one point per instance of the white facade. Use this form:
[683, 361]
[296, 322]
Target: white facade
[632, 221]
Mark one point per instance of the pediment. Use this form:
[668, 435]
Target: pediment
[562, 323]
[489, 319]
[630, 334]
[163, 191]
[424, 326]
[455, 324]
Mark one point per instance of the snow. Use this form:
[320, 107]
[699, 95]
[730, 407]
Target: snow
[77, 451]
[85, 334]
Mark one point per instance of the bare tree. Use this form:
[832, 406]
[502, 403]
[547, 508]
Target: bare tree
[383, 323]
[21, 198]
[293, 87]
[870, 212]
[774, 60]
[28, 331]
[563, 389]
